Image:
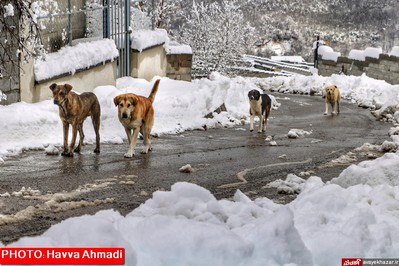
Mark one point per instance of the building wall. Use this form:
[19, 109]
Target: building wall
[179, 66]
[82, 81]
[149, 63]
[155, 62]
[385, 67]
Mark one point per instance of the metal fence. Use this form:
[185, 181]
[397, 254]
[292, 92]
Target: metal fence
[117, 27]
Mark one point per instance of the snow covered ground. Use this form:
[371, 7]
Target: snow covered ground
[354, 215]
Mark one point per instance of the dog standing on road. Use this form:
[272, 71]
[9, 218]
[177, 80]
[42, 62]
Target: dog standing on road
[260, 105]
[332, 96]
[73, 110]
[136, 114]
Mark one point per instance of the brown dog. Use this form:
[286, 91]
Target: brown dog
[332, 96]
[137, 114]
[73, 110]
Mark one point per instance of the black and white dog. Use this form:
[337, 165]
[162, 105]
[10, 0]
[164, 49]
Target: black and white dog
[260, 105]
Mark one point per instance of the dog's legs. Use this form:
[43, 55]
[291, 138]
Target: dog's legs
[73, 140]
[132, 142]
[96, 124]
[326, 112]
[81, 138]
[66, 132]
[260, 123]
[264, 122]
[338, 107]
[334, 107]
[251, 123]
[145, 131]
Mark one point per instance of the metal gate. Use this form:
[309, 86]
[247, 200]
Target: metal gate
[117, 27]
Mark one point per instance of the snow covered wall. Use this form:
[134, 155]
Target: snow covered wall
[370, 61]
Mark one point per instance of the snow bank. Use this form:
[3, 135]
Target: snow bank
[72, 58]
[181, 106]
[188, 226]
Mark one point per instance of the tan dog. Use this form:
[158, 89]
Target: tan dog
[137, 114]
[73, 110]
[332, 96]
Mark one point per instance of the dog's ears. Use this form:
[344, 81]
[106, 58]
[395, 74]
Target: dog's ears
[116, 100]
[68, 87]
[53, 86]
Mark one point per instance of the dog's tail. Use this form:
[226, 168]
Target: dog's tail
[154, 90]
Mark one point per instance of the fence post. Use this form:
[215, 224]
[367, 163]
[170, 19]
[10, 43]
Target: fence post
[69, 23]
[127, 37]
[316, 53]
[106, 31]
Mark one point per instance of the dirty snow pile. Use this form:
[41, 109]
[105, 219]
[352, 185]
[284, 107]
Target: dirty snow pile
[353, 216]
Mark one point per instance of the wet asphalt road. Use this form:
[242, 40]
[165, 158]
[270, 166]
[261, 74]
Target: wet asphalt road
[57, 187]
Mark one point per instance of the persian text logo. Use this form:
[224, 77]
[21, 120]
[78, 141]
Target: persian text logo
[352, 261]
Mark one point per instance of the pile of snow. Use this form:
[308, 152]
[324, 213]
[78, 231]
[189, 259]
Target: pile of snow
[357, 55]
[395, 51]
[361, 55]
[295, 133]
[327, 53]
[383, 170]
[72, 58]
[373, 52]
[365, 91]
[188, 226]
[291, 185]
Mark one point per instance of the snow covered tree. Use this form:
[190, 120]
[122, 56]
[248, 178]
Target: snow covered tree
[218, 34]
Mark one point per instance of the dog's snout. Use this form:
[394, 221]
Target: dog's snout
[124, 115]
[56, 102]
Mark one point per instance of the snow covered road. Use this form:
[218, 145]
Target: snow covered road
[55, 188]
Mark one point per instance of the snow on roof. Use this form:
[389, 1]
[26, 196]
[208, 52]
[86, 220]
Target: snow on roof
[176, 48]
[72, 58]
[395, 51]
[327, 53]
[144, 39]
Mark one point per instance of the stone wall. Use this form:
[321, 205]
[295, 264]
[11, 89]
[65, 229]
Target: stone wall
[179, 66]
[386, 67]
